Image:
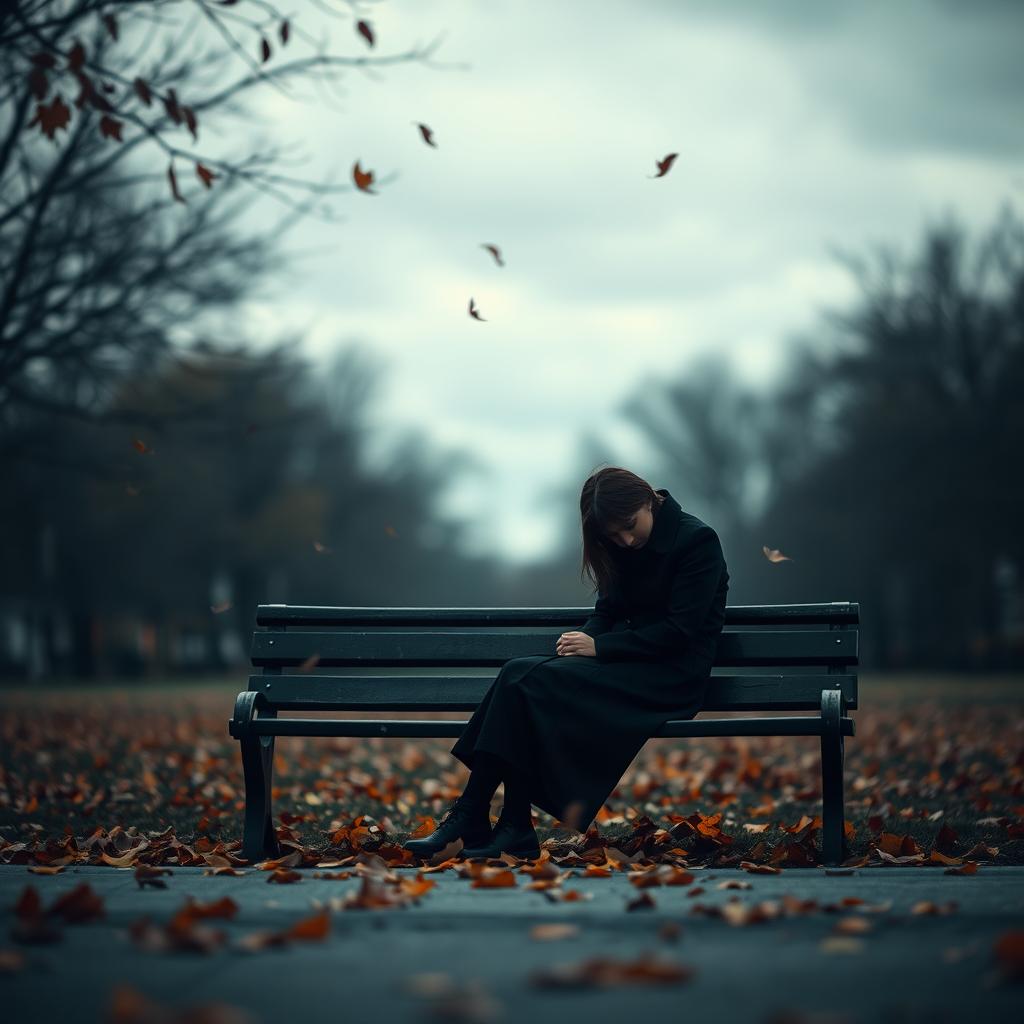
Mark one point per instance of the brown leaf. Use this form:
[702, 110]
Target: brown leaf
[80, 904]
[284, 32]
[149, 874]
[363, 179]
[111, 23]
[365, 30]
[205, 175]
[264, 50]
[143, 92]
[51, 117]
[174, 184]
[495, 252]
[110, 127]
[473, 311]
[664, 165]
[775, 555]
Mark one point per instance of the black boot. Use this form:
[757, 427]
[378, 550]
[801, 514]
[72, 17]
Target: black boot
[519, 840]
[460, 821]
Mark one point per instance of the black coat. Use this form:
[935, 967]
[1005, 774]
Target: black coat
[572, 723]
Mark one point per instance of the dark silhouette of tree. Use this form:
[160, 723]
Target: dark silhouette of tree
[118, 225]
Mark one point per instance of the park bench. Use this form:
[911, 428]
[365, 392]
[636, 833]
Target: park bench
[784, 657]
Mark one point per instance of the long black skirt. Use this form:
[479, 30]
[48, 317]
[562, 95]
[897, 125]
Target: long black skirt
[572, 725]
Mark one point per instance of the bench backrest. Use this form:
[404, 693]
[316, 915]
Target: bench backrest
[770, 657]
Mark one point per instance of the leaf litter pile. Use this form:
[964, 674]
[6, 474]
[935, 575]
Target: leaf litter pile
[139, 781]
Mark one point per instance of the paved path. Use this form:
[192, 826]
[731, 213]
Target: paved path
[907, 968]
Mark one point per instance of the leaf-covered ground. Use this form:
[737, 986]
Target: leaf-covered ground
[148, 774]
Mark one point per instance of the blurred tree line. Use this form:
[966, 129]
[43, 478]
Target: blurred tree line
[885, 463]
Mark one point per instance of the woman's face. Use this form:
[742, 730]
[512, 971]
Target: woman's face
[635, 531]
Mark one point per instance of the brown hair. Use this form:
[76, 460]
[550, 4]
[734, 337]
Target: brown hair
[609, 498]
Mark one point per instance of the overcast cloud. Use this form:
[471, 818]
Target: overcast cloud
[798, 125]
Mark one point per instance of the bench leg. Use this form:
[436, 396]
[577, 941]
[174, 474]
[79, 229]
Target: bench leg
[258, 838]
[833, 840]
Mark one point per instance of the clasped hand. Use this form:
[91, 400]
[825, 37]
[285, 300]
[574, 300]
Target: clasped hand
[576, 643]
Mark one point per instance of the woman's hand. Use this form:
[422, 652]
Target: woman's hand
[576, 643]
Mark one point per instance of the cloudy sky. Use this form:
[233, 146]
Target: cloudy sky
[799, 126]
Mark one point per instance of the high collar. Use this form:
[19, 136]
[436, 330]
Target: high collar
[666, 524]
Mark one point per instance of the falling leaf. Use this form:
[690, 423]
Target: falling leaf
[111, 23]
[310, 663]
[321, 549]
[775, 555]
[363, 179]
[149, 874]
[141, 447]
[264, 49]
[473, 311]
[284, 31]
[428, 135]
[664, 166]
[365, 30]
[495, 252]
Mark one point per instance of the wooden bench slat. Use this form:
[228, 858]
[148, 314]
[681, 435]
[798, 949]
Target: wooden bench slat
[463, 693]
[290, 615]
[282, 649]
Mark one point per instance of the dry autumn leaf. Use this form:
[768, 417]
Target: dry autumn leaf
[365, 29]
[363, 179]
[664, 165]
[428, 135]
[496, 253]
[473, 311]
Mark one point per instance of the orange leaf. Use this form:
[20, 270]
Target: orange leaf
[363, 179]
[775, 555]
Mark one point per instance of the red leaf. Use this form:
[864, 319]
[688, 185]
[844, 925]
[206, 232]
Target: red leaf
[174, 184]
[365, 30]
[76, 58]
[111, 23]
[44, 60]
[265, 49]
[428, 135]
[142, 91]
[284, 31]
[206, 176]
[190, 120]
[110, 128]
[171, 106]
[51, 117]
[473, 311]
[664, 166]
[38, 83]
